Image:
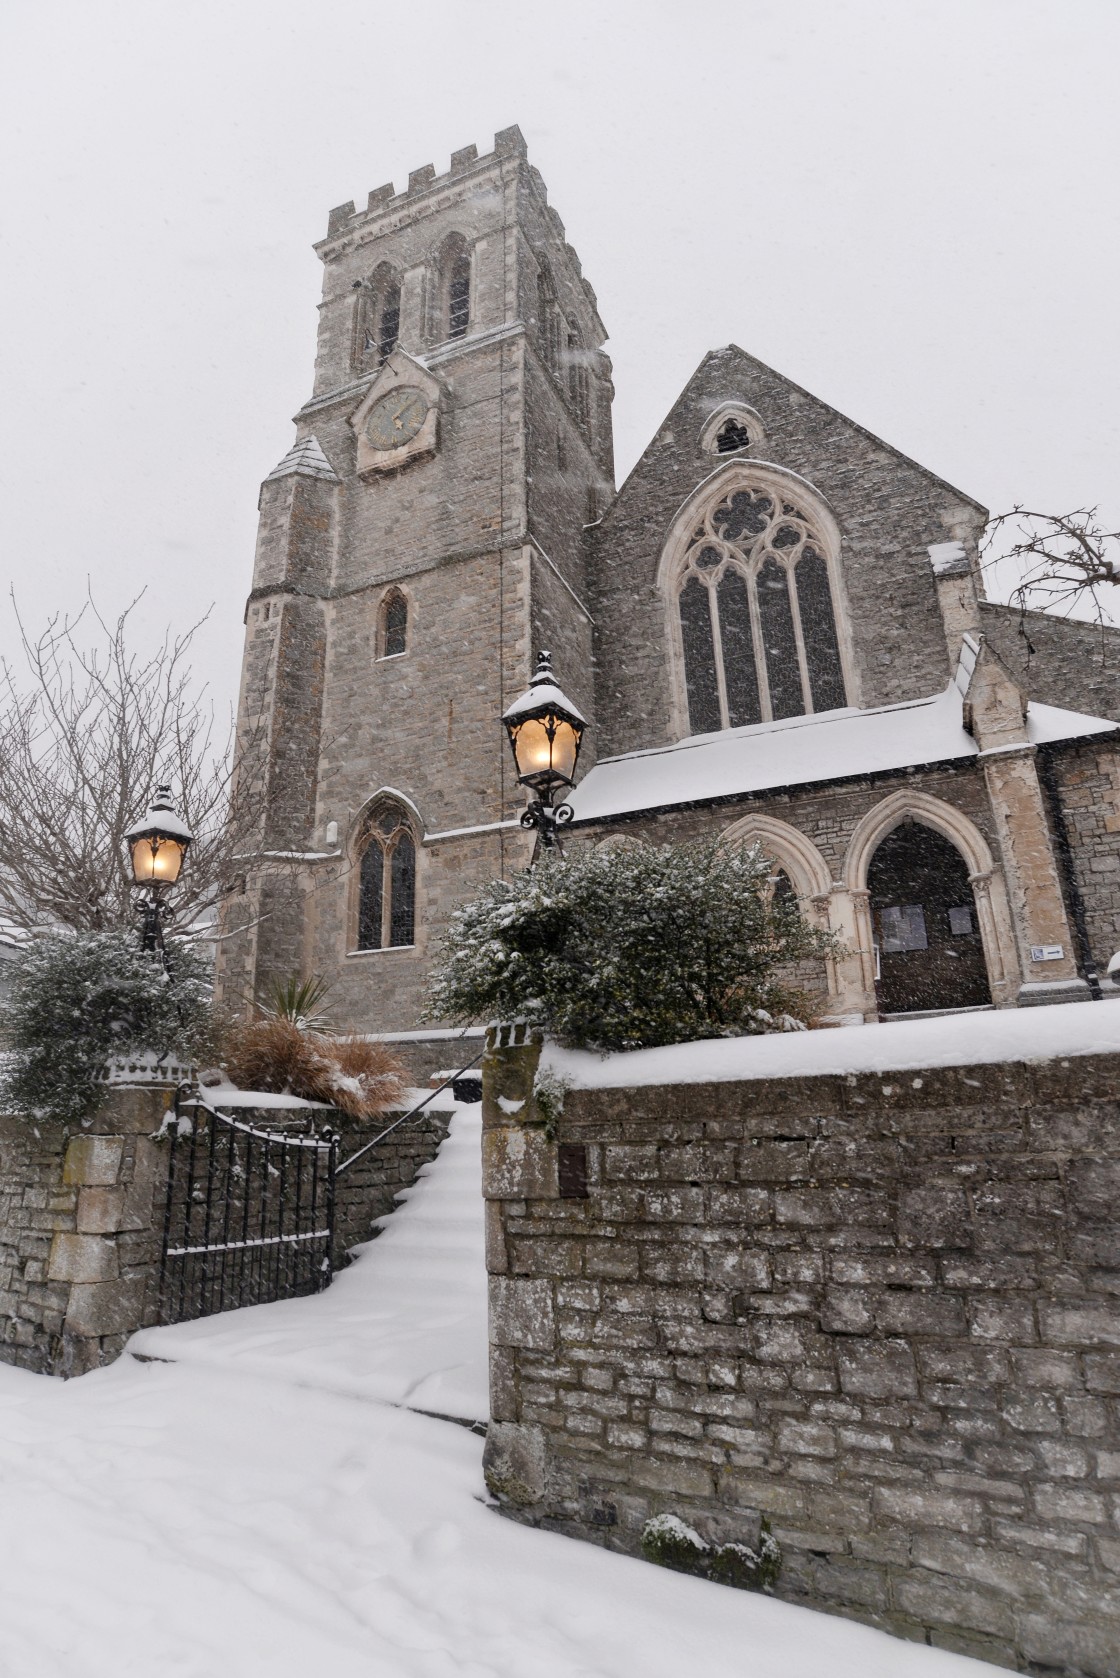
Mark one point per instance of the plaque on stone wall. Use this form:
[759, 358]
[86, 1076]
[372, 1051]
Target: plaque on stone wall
[904, 928]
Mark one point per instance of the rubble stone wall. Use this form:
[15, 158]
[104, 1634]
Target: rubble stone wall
[882, 1312]
[82, 1220]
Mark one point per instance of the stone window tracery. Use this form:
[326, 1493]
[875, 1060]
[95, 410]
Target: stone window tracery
[387, 881]
[757, 619]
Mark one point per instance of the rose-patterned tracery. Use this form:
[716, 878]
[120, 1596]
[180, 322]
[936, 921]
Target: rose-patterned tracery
[757, 622]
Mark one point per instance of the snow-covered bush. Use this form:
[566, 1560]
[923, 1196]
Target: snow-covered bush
[628, 947]
[82, 999]
[549, 1093]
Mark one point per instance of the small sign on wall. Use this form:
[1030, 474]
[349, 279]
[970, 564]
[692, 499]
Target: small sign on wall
[1047, 952]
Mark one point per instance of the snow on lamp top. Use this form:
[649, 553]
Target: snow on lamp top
[545, 730]
[158, 842]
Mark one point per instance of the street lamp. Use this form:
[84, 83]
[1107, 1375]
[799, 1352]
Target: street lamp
[158, 843]
[545, 730]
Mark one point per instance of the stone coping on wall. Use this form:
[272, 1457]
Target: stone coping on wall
[1052, 1032]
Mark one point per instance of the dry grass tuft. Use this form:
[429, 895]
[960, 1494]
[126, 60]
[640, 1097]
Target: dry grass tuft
[359, 1078]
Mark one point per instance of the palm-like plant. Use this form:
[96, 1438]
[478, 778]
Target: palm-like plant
[301, 1002]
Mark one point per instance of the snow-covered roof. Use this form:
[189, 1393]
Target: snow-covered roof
[304, 459]
[799, 751]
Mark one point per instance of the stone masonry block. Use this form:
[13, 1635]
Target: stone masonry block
[877, 1369]
[1081, 1324]
[100, 1210]
[518, 1164]
[93, 1160]
[935, 1217]
[521, 1313]
[515, 1462]
[100, 1308]
[82, 1258]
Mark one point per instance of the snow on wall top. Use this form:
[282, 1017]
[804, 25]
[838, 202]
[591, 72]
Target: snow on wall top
[801, 750]
[1059, 1031]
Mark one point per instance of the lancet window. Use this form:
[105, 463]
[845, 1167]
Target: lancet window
[392, 630]
[387, 881]
[757, 620]
[457, 280]
[379, 318]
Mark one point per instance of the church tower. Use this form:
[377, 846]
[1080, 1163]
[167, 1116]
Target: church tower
[423, 538]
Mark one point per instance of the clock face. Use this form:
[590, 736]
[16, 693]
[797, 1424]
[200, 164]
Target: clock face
[396, 418]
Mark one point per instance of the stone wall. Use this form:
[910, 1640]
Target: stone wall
[82, 1220]
[80, 1233]
[882, 1312]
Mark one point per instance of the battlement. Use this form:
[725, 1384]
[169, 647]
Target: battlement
[423, 182]
[508, 142]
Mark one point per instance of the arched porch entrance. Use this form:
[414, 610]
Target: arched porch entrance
[925, 924]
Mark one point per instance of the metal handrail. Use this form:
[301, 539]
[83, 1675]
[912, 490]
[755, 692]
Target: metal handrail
[411, 1114]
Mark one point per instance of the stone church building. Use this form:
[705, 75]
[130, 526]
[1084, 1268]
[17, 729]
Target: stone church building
[776, 629]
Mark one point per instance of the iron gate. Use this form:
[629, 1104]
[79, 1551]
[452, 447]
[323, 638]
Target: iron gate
[250, 1212]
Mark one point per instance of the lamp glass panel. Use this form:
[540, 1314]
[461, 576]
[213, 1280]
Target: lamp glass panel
[157, 861]
[532, 747]
[565, 745]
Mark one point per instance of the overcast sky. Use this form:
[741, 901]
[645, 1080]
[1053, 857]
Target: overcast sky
[908, 208]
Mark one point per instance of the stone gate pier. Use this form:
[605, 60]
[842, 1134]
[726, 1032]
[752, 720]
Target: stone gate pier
[881, 1310]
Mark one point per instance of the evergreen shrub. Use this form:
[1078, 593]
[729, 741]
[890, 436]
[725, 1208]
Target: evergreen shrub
[82, 999]
[629, 947]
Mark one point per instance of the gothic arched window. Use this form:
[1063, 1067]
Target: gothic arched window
[392, 627]
[454, 287]
[387, 881]
[757, 620]
[379, 318]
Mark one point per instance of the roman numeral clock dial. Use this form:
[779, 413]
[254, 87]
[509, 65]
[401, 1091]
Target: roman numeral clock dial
[396, 418]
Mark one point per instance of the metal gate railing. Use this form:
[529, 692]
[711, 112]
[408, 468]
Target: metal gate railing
[250, 1212]
[250, 1208]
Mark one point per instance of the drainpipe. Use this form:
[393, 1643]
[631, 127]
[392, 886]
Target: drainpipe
[1067, 874]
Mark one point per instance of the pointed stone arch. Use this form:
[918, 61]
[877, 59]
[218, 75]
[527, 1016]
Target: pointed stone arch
[806, 870]
[993, 911]
[802, 861]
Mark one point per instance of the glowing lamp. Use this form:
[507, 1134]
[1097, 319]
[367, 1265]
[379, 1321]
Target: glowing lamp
[158, 842]
[545, 730]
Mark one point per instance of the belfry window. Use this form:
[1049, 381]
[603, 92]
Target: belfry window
[459, 295]
[387, 882]
[758, 625]
[379, 318]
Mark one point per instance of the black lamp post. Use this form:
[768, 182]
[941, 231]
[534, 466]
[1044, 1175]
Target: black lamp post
[545, 730]
[158, 843]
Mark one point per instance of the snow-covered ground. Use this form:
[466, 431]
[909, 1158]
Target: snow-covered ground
[262, 1507]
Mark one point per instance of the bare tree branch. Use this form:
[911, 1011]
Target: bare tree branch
[1065, 559]
[86, 733]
